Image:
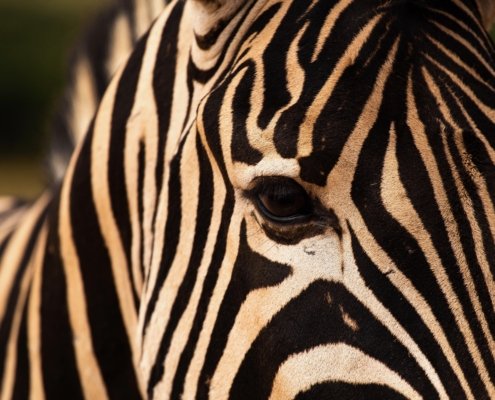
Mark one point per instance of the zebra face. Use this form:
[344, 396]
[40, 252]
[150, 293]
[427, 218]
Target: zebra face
[286, 199]
[338, 138]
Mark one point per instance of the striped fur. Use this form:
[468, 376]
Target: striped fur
[156, 272]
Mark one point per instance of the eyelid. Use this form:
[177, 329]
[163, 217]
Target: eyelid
[268, 182]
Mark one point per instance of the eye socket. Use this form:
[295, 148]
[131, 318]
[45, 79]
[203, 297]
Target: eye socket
[282, 200]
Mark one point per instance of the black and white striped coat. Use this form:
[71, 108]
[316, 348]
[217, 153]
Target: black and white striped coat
[276, 199]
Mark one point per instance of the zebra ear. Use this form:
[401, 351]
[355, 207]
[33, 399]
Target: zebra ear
[212, 15]
[210, 5]
[216, 7]
[487, 11]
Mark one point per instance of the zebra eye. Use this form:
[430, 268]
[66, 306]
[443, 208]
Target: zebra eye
[282, 200]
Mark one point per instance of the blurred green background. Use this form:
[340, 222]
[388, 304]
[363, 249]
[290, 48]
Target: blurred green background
[35, 41]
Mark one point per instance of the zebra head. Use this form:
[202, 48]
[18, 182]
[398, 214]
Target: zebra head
[297, 200]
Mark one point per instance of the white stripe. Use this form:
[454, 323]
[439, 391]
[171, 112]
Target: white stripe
[335, 363]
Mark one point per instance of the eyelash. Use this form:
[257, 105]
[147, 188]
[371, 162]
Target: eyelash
[278, 189]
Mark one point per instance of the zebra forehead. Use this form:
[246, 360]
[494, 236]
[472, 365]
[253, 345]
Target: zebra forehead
[310, 73]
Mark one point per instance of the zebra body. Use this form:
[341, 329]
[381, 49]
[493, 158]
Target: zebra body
[276, 199]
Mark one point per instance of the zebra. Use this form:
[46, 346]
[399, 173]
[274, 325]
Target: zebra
[275, 199]
[103, 47]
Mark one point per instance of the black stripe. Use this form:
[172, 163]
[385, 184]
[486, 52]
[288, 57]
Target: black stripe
[458, 49]
[172, 233]
[190, 91]
[251, 272]
[276, 94]
[475, 151]
[469, 249]
[459, 17]
[203, 76]
[60, 374]
[22, 374]
[483, 90]
[349, 391]
[438, 232]
[397, 242]
[206, 293]
[203, 223]
[13, 298]
[418, 187]
[4, 245]
[347, 102]
[483, 122]
[164, 76]
[124, 102]
[389, 234]
[480, 158]
[163, 83]
[480, 215]
[210, 119]
[241, 149]
[316, 317]
[110, 342]
[409, 317]
[478, 154]
[140, 199]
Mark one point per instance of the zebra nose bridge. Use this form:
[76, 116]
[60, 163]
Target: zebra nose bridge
[320, 258]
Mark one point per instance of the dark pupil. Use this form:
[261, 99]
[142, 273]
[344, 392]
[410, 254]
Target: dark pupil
[284, 205]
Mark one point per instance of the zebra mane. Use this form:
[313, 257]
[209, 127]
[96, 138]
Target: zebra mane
[104, 45]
